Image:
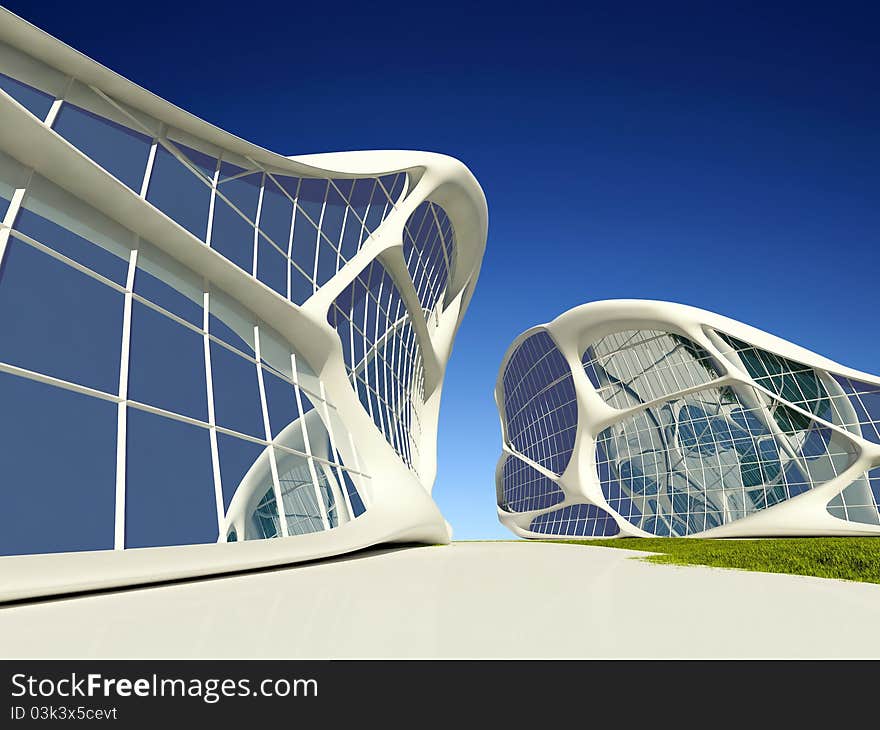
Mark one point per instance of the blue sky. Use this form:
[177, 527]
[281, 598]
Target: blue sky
[726, 158]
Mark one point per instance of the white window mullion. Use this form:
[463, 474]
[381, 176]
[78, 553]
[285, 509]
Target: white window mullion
[11, 215]
[290, 251]
[148, 172]
[276, 481]
[318, 239]
[307, 444]
[331, 457]
[212, 203]
[122, 408]
[257, 221]
[212, 420]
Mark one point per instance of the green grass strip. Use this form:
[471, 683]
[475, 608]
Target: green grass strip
[846, 558]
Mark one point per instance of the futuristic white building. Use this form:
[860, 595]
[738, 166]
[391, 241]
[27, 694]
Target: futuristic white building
[204, 344]
[645, 418]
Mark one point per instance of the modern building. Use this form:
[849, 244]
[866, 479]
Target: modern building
[212, 357]
[650, 419]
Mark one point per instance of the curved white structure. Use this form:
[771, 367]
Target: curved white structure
[204, 344]
[646, 418]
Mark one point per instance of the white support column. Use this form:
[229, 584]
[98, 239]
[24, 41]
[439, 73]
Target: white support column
[122, 408]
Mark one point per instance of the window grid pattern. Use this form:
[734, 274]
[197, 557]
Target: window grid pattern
[315, 228]
[577, 520]
[382, 357]
[636, 366]
[181, 314]
[863, 412]
[429, 252]
[525, 488]
[540, 405]
[709, 458]
[860, 501]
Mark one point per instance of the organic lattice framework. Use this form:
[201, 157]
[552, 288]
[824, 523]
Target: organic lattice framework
[643, 418]
[205, 343]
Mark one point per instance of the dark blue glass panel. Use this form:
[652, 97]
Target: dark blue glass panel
[59, 239]
[179, 193]
[357, 504]
[351, 236]
[169, 495]
[280, 401]
[275, 215]
[328, 261]
[231, 235]
[525, 488]
[167, 368]
[305, 241]
[300, 286]
[376, 211]
[70, 505]
[334, 212]
[539, 403]
[35, 101]
[236, 392]
[237, 456]
[58, 321]
[119, 150]
[272, 267]
[167, 297]
[581, 520]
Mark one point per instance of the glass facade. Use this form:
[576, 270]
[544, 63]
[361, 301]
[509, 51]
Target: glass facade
[383, 357]
[540, 406]
[186, 419]
[576, 520]
[851, 404]
[524, 488]
[703, 439]
[102, 338]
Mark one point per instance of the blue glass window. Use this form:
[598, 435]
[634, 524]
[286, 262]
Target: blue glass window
[581, 520]
[272, 267]
[57, 320]
[237, 456]
[157, 291]
[121, 151]
[305, 241]
[70, 505]
[357, 504]
[236, 392]
[275, 214]
[231, 235]
[280, 401]
[35, 101]
[179, 193]
[525, 488]
[167, 366]
[68, 243]
[540, 406]
[169, 498]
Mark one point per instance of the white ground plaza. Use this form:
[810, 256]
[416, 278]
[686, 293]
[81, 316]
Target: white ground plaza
[466, 600]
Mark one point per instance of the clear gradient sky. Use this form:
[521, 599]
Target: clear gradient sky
[727, 158]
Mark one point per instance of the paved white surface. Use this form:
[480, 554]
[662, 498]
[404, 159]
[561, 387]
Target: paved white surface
[467, 600]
